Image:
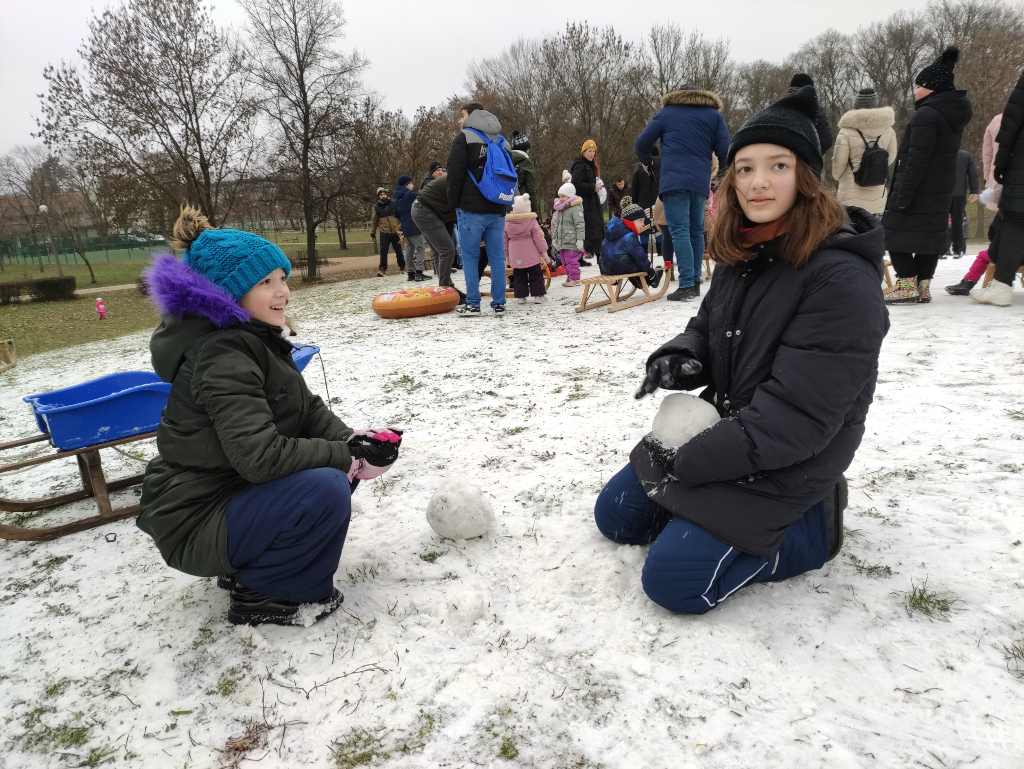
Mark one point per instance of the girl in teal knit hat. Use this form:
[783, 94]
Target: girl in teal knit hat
[254, 476]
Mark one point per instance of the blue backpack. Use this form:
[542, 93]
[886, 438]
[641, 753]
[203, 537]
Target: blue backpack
[499, 178]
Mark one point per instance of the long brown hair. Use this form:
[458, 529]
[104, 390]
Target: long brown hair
[814, 217]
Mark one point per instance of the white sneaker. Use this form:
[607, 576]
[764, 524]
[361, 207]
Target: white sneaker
[539, 299]
[521, 300]
[997, 293]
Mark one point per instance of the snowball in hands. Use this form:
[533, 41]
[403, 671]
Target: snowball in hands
[681, 417]
[459, 510]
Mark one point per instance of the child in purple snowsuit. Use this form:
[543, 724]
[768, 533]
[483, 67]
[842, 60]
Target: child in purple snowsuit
[568, 232]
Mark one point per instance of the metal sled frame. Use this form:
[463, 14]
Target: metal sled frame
[613, 285]
[94, 485]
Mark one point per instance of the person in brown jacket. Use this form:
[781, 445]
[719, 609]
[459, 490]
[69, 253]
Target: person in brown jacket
[385, 219]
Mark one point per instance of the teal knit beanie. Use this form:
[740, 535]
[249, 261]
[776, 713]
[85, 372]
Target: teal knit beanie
[234, 260]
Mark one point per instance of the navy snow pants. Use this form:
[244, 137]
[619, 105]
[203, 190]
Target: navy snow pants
[285, 537]
[689, 570]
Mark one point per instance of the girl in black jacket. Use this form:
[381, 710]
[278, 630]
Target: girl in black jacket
[786, 347]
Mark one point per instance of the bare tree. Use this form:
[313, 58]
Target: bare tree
[158, 78]
[310, 92]
[26, 175]
[828, 58]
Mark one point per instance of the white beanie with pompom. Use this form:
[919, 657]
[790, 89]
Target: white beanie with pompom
[521, 204]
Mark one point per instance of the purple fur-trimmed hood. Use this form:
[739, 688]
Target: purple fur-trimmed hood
[178, 290]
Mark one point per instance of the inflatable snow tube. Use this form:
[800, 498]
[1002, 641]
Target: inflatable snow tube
[415, 302]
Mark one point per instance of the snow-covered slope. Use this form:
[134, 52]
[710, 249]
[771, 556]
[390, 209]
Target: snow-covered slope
[534, 645]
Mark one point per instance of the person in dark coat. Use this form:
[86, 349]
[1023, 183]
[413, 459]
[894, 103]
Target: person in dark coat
[785, 346]
[384, 219]
[644, 191]
[405, 196]
[966, 188]
[526, 175]
[821, 126]
[254, 475]
[479, 219]
[615, 194]
[584, 172]
[1007, 170]
[435, 171]
[436, 220]
[917, 211]
[691, 129]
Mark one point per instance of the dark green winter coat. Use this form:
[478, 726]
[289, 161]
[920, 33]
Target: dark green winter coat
[239, 412]
[527, 177]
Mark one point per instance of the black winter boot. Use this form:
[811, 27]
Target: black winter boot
[226, 582]
[835, 504]
[412, 276]
[420, 277]
[655, 281]
[963, 288]
[685, 292]
[251, 608]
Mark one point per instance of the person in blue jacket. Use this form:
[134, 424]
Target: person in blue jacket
[691, 128]
[405, 196]
[621, 250]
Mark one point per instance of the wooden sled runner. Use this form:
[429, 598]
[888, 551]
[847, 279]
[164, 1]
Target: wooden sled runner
[8, 355]
[613, 286]
[508, 280]
[94, 485]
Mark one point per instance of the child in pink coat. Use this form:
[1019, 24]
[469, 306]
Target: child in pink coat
[101, 309]
[525, 250]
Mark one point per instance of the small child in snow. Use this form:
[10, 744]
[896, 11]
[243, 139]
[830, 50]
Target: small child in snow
[101, 309]
[567, 232]
[621, 251]
[525, 249]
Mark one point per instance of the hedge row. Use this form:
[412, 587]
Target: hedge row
[41, 290]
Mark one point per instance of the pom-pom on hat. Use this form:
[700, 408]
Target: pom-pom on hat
[234, 260]
[520, 141]
[521, 204]
[800, 79]
[631, 210]
[566, 176]
[866, 99]
[403, 180]
[789, 122]
[938, 76]
[588, 144]
[568, 189]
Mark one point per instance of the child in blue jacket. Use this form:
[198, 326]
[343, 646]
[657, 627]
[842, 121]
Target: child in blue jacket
[621, 250]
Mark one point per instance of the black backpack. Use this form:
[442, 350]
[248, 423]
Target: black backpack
[874, 164]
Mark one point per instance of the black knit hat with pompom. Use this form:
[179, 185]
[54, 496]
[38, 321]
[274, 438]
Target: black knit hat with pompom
[789, 122]
[938, 76]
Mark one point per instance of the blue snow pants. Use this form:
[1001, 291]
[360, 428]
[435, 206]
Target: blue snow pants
[689, 570]
[285, 537]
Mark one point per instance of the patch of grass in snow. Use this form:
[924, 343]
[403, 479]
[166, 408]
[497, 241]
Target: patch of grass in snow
[364, 573]
[885, 519]
[508, 749]
[919, 599]
[58, 687]
[513, 430]
[426, 723]
[227, 684]
[1017, 414]
[870, 569]
[492, 463]
[1014, 656]
[60, 610]
[404, 382]
[545, 456]
[40, 737]
[52, 562]
[384, 485]
[430, 557]
[359, 748]
[204, 637]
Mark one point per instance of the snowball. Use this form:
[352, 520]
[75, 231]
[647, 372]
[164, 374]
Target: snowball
[681, 417]
[459, 510]
[641, 667]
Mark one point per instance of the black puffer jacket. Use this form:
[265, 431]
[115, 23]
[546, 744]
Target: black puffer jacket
[1009, 161]
[790, 360]
[643, 188]
[585, 181]
[468, 156]
[917, 211]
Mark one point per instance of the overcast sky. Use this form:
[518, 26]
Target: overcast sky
[419, 49]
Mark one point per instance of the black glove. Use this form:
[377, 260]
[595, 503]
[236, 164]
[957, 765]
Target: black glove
[374, 451]
[998, 174]
[663, 456]
[670, 372]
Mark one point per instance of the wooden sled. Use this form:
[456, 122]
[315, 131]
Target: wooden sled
[94, 485]
[613, 285]
[508, 280]
[8, 355]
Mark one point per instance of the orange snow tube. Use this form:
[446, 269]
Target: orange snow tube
[414, 302]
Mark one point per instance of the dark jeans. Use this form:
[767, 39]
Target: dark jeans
[689, 570]
[386, 240]
[920, 266]
[285, 537]
[528, 281]
[438, 235]
[1009, 244]
[956, 226]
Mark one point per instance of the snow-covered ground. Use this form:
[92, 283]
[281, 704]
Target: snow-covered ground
[107, 654]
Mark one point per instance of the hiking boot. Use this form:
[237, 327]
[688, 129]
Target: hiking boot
[226, 582]
[420, 277]
[468, 311]
[249, 607]
[585, 263]
[904, 292]
[462, 297]
[963, 288]
[412, 276]
[997, 293]
[924, 290]
[655, 281]
[835, 504]
[499, 309]
[381, 274]
[684, 293]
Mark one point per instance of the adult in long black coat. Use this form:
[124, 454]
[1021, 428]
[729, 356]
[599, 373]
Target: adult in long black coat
[917, 211]
[1008, 170]
[585, 171]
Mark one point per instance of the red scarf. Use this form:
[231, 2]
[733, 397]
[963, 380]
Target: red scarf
[761, 233]
[632, 225]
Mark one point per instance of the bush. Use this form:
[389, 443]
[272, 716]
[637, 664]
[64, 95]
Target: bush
[52, 289]
[9, 292]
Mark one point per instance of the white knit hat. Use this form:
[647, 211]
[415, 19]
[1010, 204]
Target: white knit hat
[568, 189]
[521, 204]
